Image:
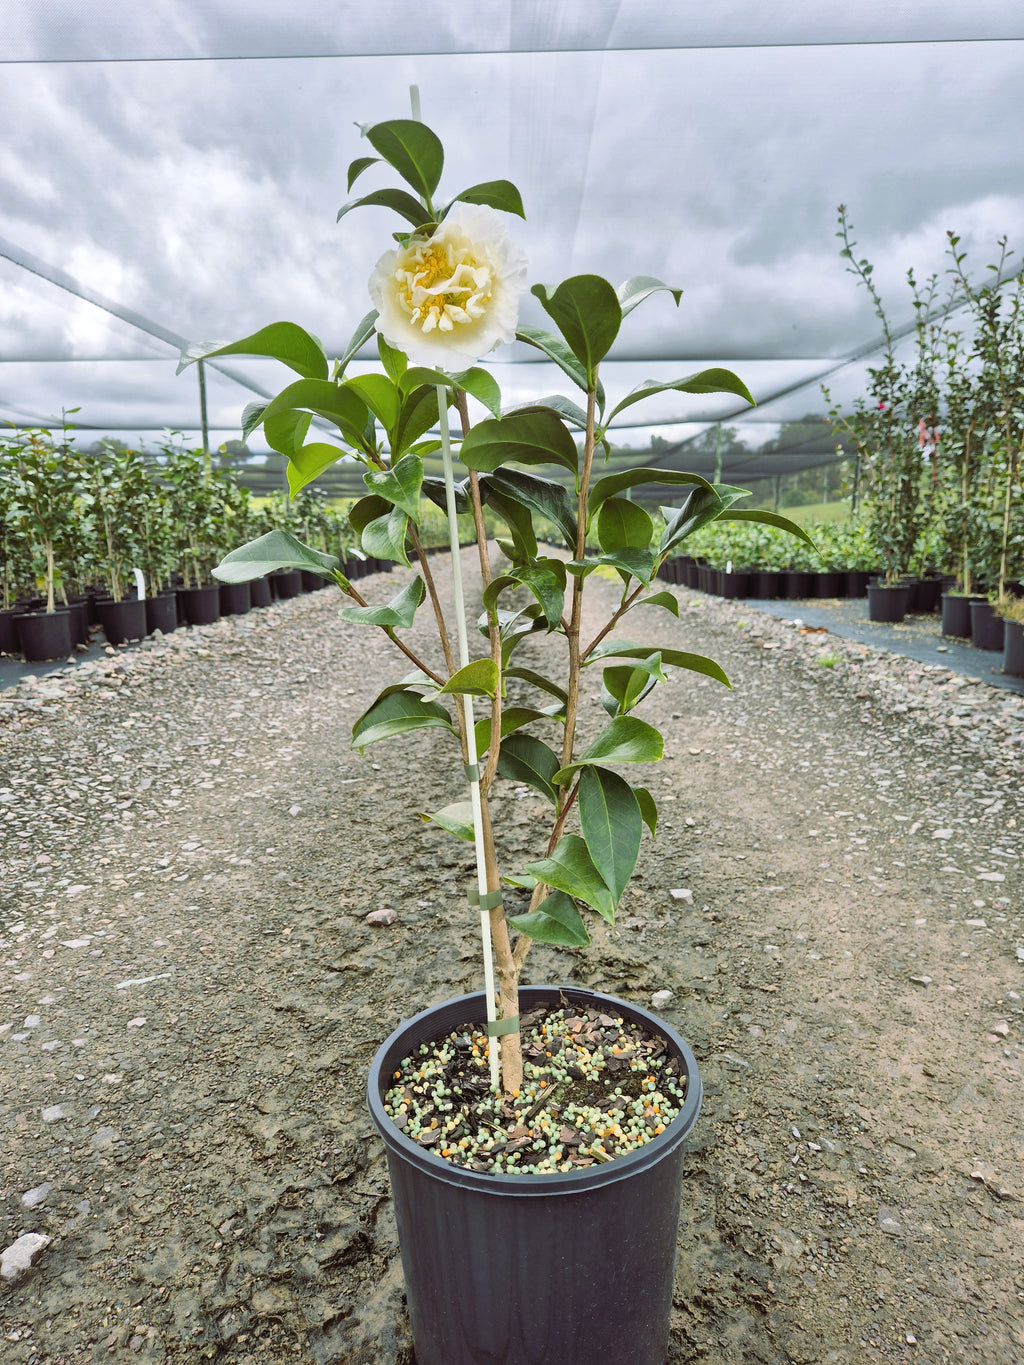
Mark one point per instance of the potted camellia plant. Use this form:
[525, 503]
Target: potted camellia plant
[533, 1133]
[44, 475]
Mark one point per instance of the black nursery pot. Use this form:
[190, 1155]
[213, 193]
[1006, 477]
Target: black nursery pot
[856, 582]
[124, 620]
[200, 606]
[44, 635]
[956, 614]
[235, 599]
[733, 584]
[765, 584]
[829, 583]
[162, 613]
[888, 602]
[527, 1270]
[987, 629]
[8, 634]
[1013, 649]
[260, 593]
[287, 583]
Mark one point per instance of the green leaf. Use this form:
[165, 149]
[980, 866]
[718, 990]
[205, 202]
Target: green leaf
[396, 714]
[400, 611]
[252, 417]
[634, 291]
[512, 718]
[412, 149]
[630, 563]
[624, 687]
[395, 362]
[497, 194]
[379, 394]
[625, 739]
[528, 438]
[483, 386]
[587, 313]
[286, 431]
[674, 658]
[433, 488]
[648, 809]
[555, 349]
[326, 399]
[700, 506]
[538, 680]
[275, 550]
[668, 600]
[707, 381]
[519, 521]
[545, 578]
[622, 524]
[308, 463]
[419, 413]
[368, 509]
[612, 826]
[770, 519]
[384, 537]
[284, 341]
[402, 202]
[357, 167]
[477, 679]
[364, 331]
[399, 485]
[528, 760]
[571, 869]
[556, 920]
[632, 478]
[565, 407]
[545, 496]
[457, 819]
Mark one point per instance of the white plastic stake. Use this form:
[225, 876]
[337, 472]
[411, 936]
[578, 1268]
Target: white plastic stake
[140, 583]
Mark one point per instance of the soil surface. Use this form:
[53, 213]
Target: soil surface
[190, 992]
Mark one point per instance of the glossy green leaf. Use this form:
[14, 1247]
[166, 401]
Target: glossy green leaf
[400, 611]
[632, 478]
[357, 167]
[706, 381]
[622, 524]
[518, 519]
[362, 334]
[308, 463]
[384, 537]
[525, 437]
[400, 485]
[640, 287]
[483, 386]
[512, 718]
[529, 761]
[395, 362]
[700, 506]
[275, 550]
[538, 680]
[545, 496]
[456, 819]
[396, 714]
[325, 399]
[770, 519]
[497, 194]
[612, 826]
[286, 431]
[365, 510]
[252, 417]
[630, 563]
[284, 341]
[514, 627]
[412, 149]
[626, 685]
[648, 809]
[545, 578]
[586, 311]
[379, 394]
[433, 488]
[571, 869]
[565, 407]
[668, 600]
[556, 920]
[625, 739]
[674, 658]
[401, 201]
[477, 679]
[419, 413]
[555, 349]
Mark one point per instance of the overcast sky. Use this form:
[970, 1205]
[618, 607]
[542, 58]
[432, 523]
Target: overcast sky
[187, 161]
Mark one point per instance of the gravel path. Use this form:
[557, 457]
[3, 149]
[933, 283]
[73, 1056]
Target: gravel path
[190, 993]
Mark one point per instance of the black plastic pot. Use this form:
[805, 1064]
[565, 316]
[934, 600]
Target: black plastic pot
[200, 606]
[8, 634]
[733, 584]
[287, 583]
[79, 623]
[162, 613]
[856, 582]
[765, 583]
[235, 599]
[312, 582]
[956, 614]
[828, 583]
[888, 602]
[706, 578]
[1013, 649]
[121, 621]
[44, 635]
[986, 627]
[260, 593]
[529, 1270]
[796, 583]
[925, 595]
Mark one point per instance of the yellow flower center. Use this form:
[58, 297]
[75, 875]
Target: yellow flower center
[442, 284]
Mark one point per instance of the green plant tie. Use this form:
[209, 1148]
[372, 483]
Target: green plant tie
[497, 1028]
[489, 901]
[472, 771]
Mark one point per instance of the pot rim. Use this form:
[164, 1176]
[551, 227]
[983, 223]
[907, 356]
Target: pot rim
[461, 1008]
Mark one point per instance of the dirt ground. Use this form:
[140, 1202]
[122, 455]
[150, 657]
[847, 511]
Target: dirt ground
[190, 994]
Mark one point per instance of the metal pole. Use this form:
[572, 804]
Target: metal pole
[202, 415]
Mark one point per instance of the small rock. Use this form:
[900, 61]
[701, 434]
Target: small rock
[682, 893]
[32, 1021]
[921, 980]
[660, 998]
[891, 1225]
[53, 1113]
[1002, 1029]
[991, 877]
[942, 834]
[31, 1199]
[294, 810]
[20, 1256]
[381, 917]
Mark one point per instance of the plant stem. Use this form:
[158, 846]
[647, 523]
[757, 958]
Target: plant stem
[573, 631]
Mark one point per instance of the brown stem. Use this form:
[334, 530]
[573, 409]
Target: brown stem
[505, 965]
[586, 653]
[388, 631]
[428, 579]
[573, 631]
[494, 751]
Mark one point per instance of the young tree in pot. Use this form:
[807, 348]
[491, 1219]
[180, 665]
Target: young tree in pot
[116, 491]
[445, 297]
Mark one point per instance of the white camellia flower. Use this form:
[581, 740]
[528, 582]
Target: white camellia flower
[448, 299]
